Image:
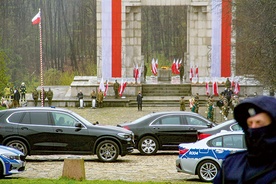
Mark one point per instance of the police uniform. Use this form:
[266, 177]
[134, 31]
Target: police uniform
[257, 164]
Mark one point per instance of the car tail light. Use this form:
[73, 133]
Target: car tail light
[182, 151]
[202, 136]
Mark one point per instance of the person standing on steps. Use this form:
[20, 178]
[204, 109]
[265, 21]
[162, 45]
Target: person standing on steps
[93, 97]
[139, 101]
[182, 104]
[116, 86]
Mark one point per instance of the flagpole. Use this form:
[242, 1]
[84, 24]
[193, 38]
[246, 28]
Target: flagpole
[41, 64]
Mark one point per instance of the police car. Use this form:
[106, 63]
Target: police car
[12, 161]
[204, 157]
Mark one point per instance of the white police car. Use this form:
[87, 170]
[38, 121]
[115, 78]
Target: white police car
[12, 161]
[204, 157]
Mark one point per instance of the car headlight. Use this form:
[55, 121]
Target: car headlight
[11, 157]
[125, 136]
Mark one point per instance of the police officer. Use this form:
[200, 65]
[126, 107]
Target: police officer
[257, 117]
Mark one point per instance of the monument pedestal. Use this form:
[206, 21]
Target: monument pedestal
[164, 75]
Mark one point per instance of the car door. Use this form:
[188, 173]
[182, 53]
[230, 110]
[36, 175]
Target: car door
[192, 124]
[36, 128]
[170, 130]
[67, 137]
[226, 144]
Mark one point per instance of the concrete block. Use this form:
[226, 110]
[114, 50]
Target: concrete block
[73, 168]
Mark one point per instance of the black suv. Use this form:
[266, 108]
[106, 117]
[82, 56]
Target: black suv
[46, 131]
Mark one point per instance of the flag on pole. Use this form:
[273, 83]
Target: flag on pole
[196, 72]
[173, 67]
[122, 87]
[153, 67]
[106, 88]
[136, 72]
[237, 88]
[207, 88]
[191, 73]
[36, 19]
[177, 65]
[101, 86]
[215, 88]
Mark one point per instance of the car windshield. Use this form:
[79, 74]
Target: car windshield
[83, 120]
[142, 118]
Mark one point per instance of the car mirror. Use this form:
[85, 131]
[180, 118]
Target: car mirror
[78, 125]
[209, 125]
[96, 123]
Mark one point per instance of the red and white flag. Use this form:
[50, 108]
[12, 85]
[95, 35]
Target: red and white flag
[154, 67]
[177, 65]
[196, 72]
[136, 72]
[101, 86]
[237, 88]
[122, 87]
[207, 88]
[191, 73]
[36, 19]
[215, 88]
[106, 88]
[173, 67]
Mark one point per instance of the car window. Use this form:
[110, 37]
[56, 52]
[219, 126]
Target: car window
[195, 121]
[15, 118]
[61, 119]
[227, 141]
[236, 127]
[38, 118]
[168, 120]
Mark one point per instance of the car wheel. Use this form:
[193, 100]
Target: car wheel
[1, 170]
[207, 170]
[148, 145]
[19, 145]
[107, 151]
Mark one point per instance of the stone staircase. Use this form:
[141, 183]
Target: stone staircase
[163, 95]
[166, 90]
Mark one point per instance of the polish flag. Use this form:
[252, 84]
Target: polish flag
[136, 72]
[237, 88]
[173, 67]
[36, 19]
[106, 88]
[153, 67]
[122, 88]
[101, 86]
[215, 88]
[221, 38]
[196, 72]
[111, 36]
[207, 88]
[191, 73]
[177, 64]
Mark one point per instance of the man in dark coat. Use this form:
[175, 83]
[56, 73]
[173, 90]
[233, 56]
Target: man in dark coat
[16, 98]
[139, 101]
[257, 117]
[181, 72]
